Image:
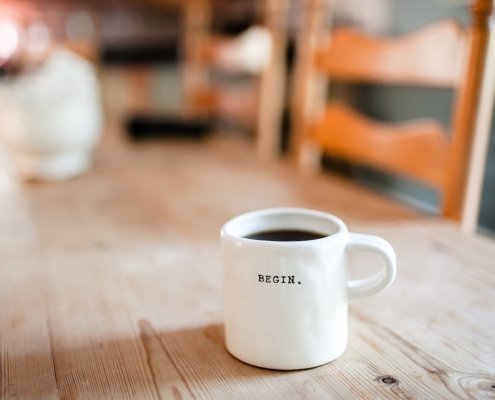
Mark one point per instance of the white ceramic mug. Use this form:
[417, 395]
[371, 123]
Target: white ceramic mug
[286, 301]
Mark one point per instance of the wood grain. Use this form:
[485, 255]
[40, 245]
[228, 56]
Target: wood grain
[110, 284]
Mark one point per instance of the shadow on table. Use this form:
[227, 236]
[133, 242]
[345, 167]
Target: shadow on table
[199, 358]
[182, 364]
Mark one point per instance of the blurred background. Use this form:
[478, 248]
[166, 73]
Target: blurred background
[131, 66]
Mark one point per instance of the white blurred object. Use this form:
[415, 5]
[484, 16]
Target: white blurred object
[51, 118]
[9, 40]
[251, 51]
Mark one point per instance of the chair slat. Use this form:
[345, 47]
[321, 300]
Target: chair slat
[411, 59]
[416, 149]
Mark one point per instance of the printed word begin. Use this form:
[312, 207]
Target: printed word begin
[289, 279]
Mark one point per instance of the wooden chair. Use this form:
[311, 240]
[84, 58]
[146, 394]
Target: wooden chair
[264, 105]
[439, 55]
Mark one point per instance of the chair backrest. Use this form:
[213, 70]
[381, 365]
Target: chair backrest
[439, 55]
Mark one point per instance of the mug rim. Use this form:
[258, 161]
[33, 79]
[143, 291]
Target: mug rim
[226, 230]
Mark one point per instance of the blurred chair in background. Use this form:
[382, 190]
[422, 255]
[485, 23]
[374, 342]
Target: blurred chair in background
[258, 54]
[439, 55]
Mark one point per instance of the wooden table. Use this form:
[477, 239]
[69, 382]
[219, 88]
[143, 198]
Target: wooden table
[110, 285]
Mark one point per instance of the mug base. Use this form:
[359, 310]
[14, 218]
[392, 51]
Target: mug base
[272, 365]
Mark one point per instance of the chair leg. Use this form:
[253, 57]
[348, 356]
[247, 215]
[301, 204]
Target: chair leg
[273, 81]
[196, 36]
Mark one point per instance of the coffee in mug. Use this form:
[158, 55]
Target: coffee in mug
[286, 235]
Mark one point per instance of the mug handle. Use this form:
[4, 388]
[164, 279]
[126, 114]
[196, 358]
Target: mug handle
[375, 283]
